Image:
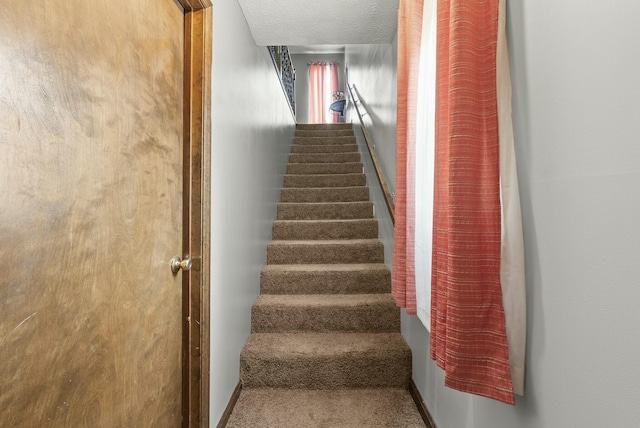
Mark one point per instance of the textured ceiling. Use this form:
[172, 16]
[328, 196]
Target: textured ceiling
[321, 22]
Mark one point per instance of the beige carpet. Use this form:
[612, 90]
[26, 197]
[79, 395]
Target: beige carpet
[325, 348]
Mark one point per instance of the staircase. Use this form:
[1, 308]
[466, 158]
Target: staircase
[325, 348]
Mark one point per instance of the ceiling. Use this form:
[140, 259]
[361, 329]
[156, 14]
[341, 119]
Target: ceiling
[310, 25]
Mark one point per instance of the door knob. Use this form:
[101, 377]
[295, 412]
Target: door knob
[177, 263]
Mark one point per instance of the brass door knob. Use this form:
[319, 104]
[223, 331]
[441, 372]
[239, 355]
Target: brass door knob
[177, 263]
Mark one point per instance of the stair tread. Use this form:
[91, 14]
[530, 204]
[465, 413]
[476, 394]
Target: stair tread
[325, 345]
[286, 408]
[325, 241]
[323, 300]
[326, 203]
[318, 268]
[329, 221]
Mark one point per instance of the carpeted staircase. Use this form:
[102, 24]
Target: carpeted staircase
[325, 348]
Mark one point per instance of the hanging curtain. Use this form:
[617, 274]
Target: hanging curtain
[323, 82]
[316, 94]
[334, 117]
[457, 192]
[403, 273]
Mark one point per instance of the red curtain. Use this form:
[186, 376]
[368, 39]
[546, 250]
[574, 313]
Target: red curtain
[468, 336]
[323, 82]
[409, 33]
[468, 331]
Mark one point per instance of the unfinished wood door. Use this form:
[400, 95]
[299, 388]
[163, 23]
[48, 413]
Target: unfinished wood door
[91, 114]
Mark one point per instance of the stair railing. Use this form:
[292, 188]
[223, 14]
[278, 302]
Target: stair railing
[388, 197]
[286, 73]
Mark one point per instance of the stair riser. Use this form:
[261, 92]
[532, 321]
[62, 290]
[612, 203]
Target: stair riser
[345, 371]
[325, 282]
[325, 211]
[378, 318]
[325, 168]
[325, 180]
[324, 133]
[324, 140]
[286, 253]
[337, 194]
[324, 157]
[324, 148]
[292, 230]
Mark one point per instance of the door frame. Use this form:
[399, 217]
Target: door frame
[198, 23]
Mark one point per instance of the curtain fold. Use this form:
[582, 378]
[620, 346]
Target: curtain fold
[333, 71]
[468, 329]
[316, 98]
[403, 273]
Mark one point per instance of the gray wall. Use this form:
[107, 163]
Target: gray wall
[300, 63]
[372, 69]
[252, 128]
[576, 113]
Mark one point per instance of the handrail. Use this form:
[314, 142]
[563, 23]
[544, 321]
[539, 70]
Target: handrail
[376, 165]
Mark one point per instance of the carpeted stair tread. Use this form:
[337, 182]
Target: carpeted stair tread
[324, 148]
[324, 180]
[326, 278]
[325, 168]
[324, 133]
[362, 313]
[324, 140]
[325, 360]
[323, 126]
[325, 229]
[324, 157]
[325, 251]
[351, 408]
[324, 210]
[322, 194]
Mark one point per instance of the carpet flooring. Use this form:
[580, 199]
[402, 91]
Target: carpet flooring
[325, 348]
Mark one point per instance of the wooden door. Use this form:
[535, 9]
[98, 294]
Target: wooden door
[91, 146]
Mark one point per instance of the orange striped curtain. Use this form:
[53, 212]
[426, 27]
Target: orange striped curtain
[468, 329]
[409, 33]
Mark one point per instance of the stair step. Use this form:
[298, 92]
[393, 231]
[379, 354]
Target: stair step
[363, 313]
[325, 229]
[325, 252]
[296, 408]
[323, 194]
[324, 140]
[324, 133]
[324, 180]
[325, 279]
[324, 148]
[325, 168]
[324, 210]
[325, 361]
[324, 157]
[322, 126]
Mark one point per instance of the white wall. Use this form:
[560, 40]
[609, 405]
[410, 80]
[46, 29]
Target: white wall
[301, 64]
[252, 128]
[575, 74]
[373, 69]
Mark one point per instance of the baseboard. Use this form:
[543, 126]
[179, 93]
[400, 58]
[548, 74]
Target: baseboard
[229, 409]
[422, 408]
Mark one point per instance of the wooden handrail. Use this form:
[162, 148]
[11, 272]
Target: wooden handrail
[376, 165]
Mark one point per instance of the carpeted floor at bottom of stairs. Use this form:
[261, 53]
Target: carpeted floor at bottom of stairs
[345, 408]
